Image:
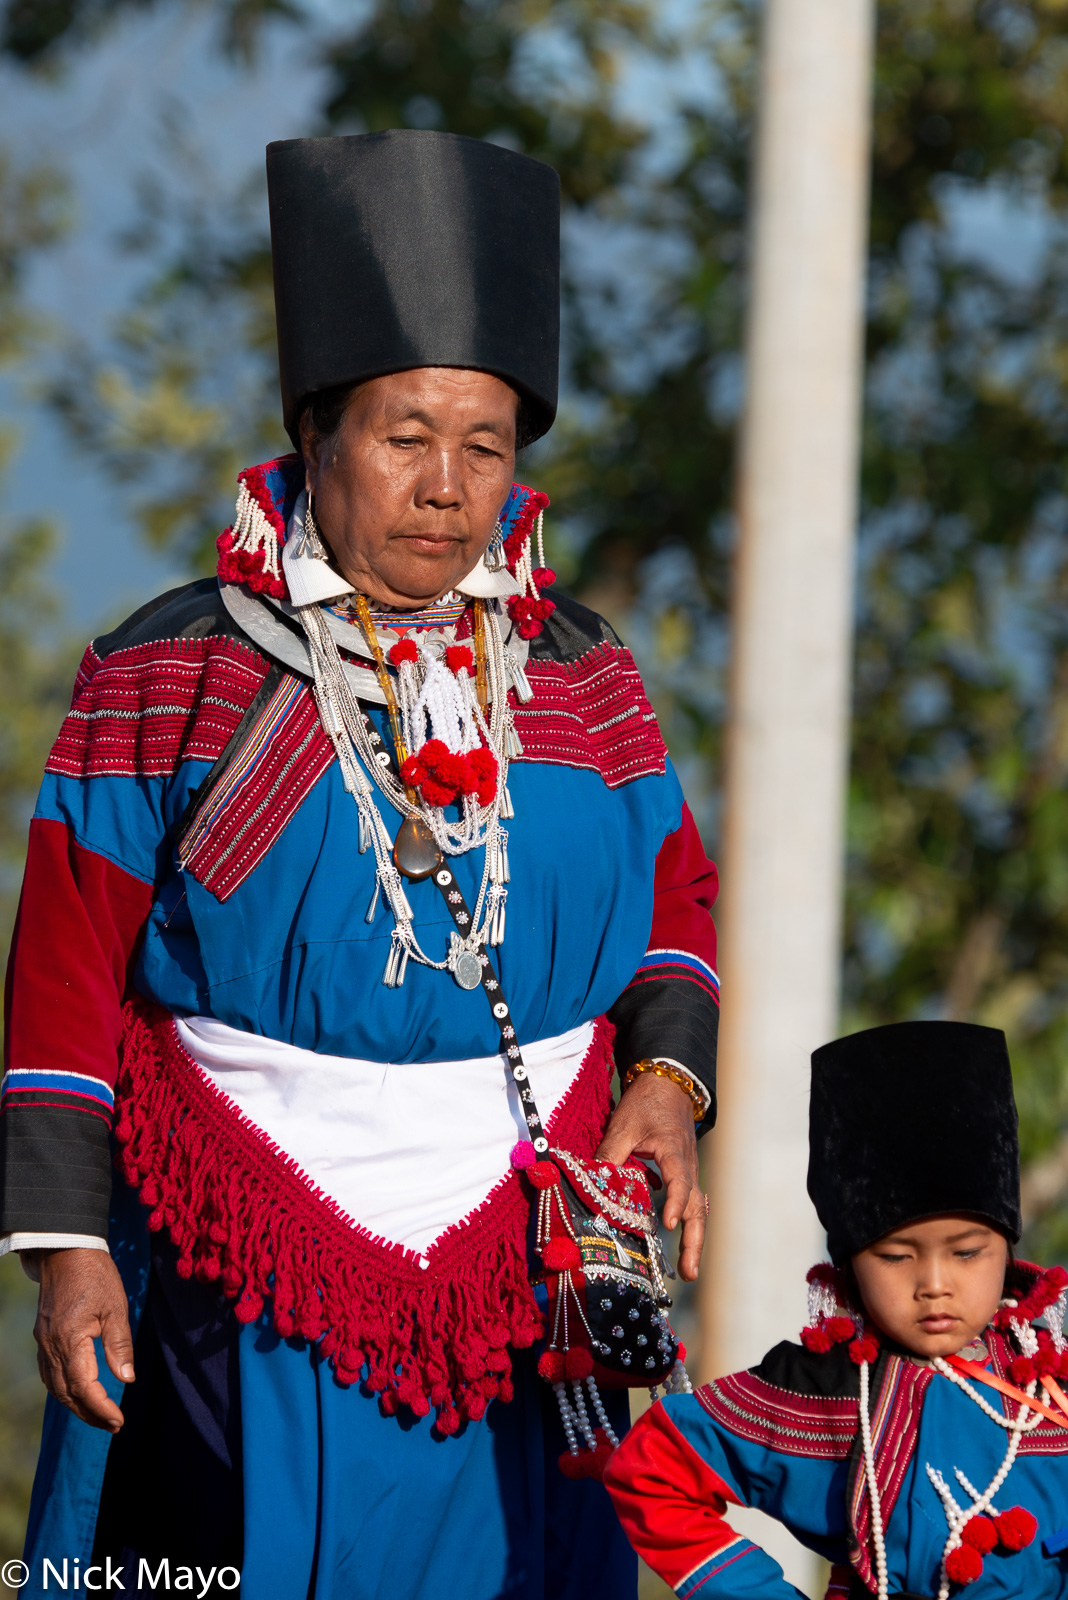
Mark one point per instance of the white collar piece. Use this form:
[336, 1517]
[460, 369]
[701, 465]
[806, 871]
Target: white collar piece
[312, 580]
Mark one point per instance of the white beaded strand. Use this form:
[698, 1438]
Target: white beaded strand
[347, 730]
[877, 1535]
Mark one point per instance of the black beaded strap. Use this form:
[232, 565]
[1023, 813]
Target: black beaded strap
[460, 913]
[452, 894]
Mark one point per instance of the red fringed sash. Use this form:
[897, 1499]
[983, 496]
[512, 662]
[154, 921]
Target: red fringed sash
[243, 1215]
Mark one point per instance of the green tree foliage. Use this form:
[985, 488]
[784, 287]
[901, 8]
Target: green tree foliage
[959, 821]
[35, 673]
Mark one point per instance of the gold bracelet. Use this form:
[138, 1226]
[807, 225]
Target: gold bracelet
[662, 1070]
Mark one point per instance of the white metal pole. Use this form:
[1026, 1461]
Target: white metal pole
[792, 615]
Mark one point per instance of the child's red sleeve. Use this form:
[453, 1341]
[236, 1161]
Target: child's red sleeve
[669, 1501]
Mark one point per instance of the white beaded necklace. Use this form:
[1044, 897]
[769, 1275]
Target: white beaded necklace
[348, 732]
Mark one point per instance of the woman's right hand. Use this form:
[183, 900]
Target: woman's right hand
[82, 1299]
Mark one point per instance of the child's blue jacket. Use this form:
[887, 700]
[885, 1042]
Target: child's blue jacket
[784, 1437]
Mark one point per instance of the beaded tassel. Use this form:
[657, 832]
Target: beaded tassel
[249, 550]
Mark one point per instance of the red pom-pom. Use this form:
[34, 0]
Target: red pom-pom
[573, 1466]
[816, 1339]
[682, 1351]
[467, 776]
[862, 1350]
[1062, 1371]
[1015, 1528]
[543, 1174]
[487, 792]
[404, 650]
[543, 609]
[551, 1366]
[1022, 1370]
[453, 772]
[528, 630]
[1047, 1361]
[980, 1534]
[433, 753]
[524, 1156]
[413, 772]
[561, 1255]
[387, 1403]
[520, 607]
[435, 794]
[458, 658]
[840, 1329]
[964, 1565]
[578, 1364]
[448, 1420]
[544, 577]
[483, 763]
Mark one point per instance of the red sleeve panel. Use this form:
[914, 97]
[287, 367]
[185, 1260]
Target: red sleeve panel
[669, 1501]
[78, 928]
[671, 1005]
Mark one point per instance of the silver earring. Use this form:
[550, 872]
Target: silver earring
[310, 543]
[494, 556]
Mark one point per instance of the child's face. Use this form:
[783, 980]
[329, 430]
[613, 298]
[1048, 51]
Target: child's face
[932, 1286]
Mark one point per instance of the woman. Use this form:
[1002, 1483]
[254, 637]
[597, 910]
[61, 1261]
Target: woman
[339, 863]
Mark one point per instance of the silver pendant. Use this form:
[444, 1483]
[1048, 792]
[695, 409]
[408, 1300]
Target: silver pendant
[468, 970]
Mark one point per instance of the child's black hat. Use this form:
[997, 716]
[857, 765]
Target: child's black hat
[908, 1121]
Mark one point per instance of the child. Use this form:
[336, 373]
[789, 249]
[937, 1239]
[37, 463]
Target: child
[918, 1436]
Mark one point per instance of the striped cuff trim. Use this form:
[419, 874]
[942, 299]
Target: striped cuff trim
[714, 1564]
[23, 1080]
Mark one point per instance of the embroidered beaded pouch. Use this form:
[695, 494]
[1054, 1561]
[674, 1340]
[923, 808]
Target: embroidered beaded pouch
[604, 1275]
[604, 1272]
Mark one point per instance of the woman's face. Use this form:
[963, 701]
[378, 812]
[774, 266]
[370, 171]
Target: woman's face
[933, 1286]
[409, 491]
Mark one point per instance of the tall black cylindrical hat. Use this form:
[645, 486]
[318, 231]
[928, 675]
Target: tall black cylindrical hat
[908, 1121]
[414, 249]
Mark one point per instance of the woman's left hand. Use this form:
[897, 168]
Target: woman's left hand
[654, 1121]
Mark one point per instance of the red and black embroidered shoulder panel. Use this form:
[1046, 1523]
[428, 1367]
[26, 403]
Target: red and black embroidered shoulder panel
[592, 712]
[818, 1426]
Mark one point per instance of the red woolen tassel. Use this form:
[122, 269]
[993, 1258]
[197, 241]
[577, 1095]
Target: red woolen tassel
[543, 1174]
[818, 1340]
[551, 1366]
[1022, 1370]
[862, 1350]
[561, 1255]
[578, 1364]
[458, 658]
[964, 1565]
[1015, 1528]
[980, 1534]
[572, 1466]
